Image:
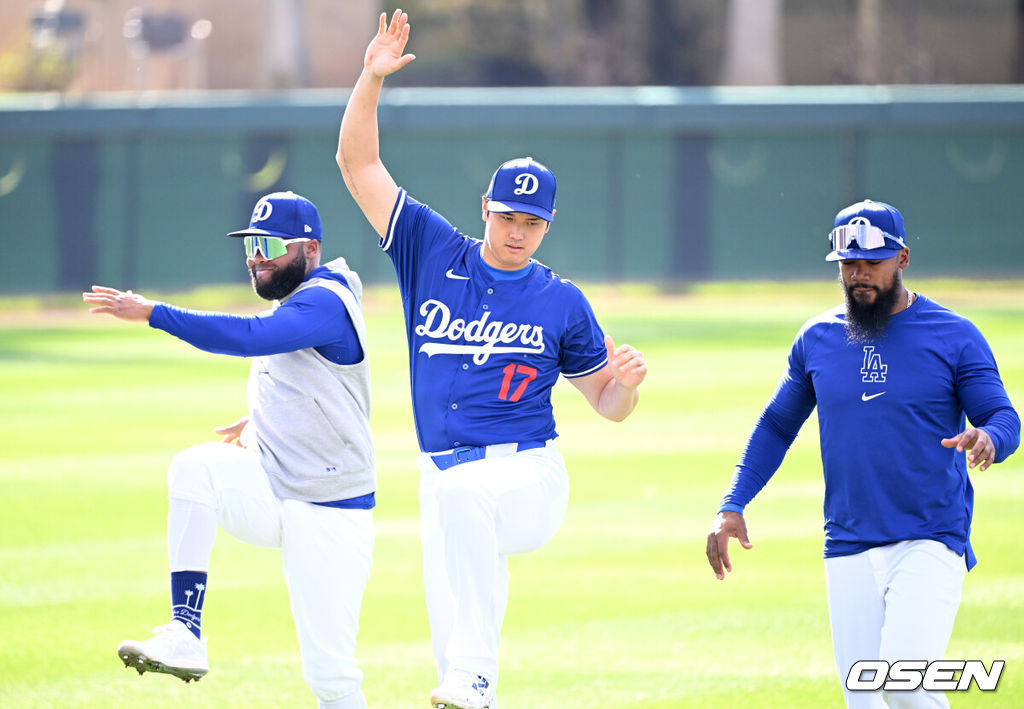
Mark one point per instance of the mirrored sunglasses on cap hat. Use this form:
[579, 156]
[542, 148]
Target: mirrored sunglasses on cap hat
[862, 236]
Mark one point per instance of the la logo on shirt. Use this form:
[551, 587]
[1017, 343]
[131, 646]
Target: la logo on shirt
[873, 370]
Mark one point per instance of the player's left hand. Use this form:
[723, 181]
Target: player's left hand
[626, 363]
[978, 442]
[233, 433]
[121, 304]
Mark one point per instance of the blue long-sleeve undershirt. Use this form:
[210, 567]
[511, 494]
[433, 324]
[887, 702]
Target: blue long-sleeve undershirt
[773, 434]
[314, 317]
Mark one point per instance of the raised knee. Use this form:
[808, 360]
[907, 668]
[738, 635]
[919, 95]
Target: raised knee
[188, 475]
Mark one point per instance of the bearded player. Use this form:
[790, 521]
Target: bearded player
[489, 332]
[297, 474]
[894, 376]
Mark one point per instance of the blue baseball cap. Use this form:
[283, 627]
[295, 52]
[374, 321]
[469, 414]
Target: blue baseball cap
[522, 185]
[868, 230]
[286, 215]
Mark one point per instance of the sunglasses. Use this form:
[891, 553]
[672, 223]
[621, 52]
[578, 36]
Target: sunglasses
[861, 236]
[269, 246]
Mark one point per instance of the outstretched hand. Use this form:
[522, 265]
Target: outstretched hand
[978, 442]
[384, 54]
[626, 363]
[121, 304]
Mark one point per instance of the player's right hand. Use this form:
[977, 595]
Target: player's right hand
[727, 524]
[121, 304]
[384, 55]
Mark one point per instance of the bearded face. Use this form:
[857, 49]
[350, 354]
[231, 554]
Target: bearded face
[869, 307]
[273, 281]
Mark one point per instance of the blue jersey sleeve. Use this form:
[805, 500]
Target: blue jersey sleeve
[776, 429]
[313, 317]
[983, 396]
[582, 348]
[413, 230]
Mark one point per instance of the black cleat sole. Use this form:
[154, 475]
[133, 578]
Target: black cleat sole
[141, 663]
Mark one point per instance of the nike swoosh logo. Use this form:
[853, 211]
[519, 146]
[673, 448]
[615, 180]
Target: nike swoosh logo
[455, 276]
[865, 397]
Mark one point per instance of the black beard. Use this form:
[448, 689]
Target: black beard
[281, 282]
[866, 322]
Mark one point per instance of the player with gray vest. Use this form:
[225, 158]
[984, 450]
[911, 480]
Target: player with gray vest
[298, 473]
[895, 376]
[489, 331]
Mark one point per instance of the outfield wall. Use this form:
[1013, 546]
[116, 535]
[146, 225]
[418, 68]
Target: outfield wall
[664, 184]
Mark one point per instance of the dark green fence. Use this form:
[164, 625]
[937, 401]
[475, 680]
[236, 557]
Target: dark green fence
[659, 184]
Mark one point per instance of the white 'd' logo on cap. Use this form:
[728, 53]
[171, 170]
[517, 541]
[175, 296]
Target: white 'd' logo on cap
[262, 211]
[528, 183]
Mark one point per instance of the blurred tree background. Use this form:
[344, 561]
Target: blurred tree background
[565, 43]
[713, 42]
[104, 45]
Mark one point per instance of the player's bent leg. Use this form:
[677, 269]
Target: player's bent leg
[488, 509]
[532, 498]
[925, 581]
[326, 554]
[208, 484]
[856, 612]
[229, 479]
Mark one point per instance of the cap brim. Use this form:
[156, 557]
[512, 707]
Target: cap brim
[494, 206]
[266, 232]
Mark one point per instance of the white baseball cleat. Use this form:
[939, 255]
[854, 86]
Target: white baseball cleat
[172, 650]
[463, 690]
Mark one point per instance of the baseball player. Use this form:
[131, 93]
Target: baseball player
[894, 376]
[298, 473]
[489, 331]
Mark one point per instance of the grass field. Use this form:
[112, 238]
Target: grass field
[620, 609]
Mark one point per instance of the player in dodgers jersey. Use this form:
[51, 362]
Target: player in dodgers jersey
[894, 376]
[298, 474]
[489, 332]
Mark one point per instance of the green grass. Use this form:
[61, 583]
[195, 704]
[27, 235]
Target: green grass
[620, 609]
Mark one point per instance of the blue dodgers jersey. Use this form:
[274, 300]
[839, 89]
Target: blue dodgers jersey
[484, 353]
[883, 409]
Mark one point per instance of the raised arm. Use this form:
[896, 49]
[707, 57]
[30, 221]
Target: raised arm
[358, 156]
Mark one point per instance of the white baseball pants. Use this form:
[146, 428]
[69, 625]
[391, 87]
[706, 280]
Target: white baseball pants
[472, 516]
[894, 602]
[326, 554]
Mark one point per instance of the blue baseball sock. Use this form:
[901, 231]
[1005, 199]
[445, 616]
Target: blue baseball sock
[188, 591]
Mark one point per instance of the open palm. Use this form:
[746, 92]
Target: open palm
[385, 54]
